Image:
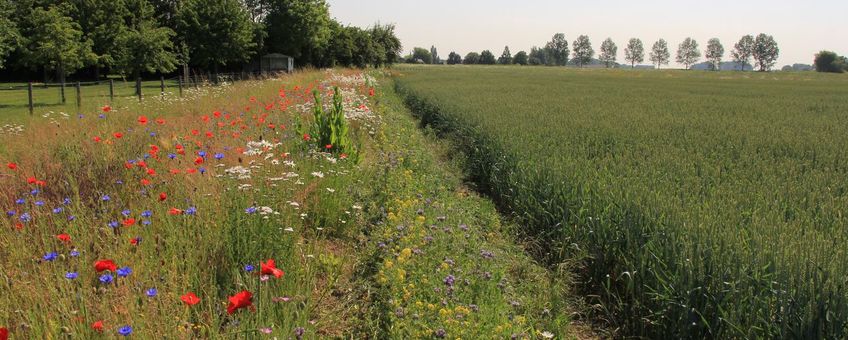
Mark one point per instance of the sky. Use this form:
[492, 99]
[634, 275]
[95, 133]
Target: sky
[801, 28]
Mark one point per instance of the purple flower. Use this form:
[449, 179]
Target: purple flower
[125, 331]
[172, 155]
[441, 333]
[298, 332]
[113, 224]
[11, 213]
[20, 201]
[106, 278]
[146, 213]
[105, 198]
[219, 156]
[124, 272]
[50, 256]
[449, 280]
[39, 203]
[249, 268]
[191, 211]
[74, 253]
[152, 292]
[71, 275]
[25, 217]
[126, 212]
[250, 210]
[57, 210]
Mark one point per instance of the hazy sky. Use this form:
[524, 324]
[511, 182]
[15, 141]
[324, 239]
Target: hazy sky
[801, 28]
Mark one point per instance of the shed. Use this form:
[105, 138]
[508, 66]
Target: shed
[276, 62]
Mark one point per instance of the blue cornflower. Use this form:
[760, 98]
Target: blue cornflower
[74, 253]
[124, 272]
[71, 218]
[172, 155]
[25, 217]
[80, 116]
[126, 212]
[152, 292]
[119, 182]
[39, 203]
[202, 170]
[105, 198]
[250, 210]
[219, 156]
[249, 268]
[146, 213]
[101, 116]
[58, 210]
[131, 161]
[20, 201]
[113, 224]
[50, 256]
[125, 331]
[146, 156]
[153, 134]
[71, 275]
[201, 154]
[66, 201]
[11, 213]
[35, 192]
[106, 278]
[191, 211]
[145, 222]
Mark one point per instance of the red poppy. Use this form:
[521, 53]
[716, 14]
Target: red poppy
[160, 121]
[175, 211]
[97, 326]
[141, 164]
[118, 135]
[128, 222]
[134, 241]
[128, 165]
[106, 108]
[40, 183]
[217, 114]
[190, 299]
[191, 170]
[163, 196]
[270, 268]
[175, 171]
[64, 237]
[241, 300]
[97, 139]
[145, 182]
[142, 120]
[209, 134]
[205, 118]
[104, 265]
[343, 156]
[306, 137]
[198, 160]
[195, 132]
[12, 166]
[31, 180]
[151, 172]
[371, 92]
[328, 146]
[4, 333]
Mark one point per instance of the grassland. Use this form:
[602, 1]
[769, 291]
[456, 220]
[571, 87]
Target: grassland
[191, 197]
[700, 204]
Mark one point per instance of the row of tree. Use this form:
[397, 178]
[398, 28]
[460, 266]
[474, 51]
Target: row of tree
[828, 61]
[156, 36]
[763, 49]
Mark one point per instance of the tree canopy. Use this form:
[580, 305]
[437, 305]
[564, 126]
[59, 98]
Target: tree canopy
[828, 61]
[609, 53]
[659, 53]
[583, 51]
[688, 53]
[634, 53]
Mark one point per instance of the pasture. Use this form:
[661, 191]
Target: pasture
[697, 204]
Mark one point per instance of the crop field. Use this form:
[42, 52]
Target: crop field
[697, 204]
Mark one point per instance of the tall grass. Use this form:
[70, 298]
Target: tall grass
[706, 205]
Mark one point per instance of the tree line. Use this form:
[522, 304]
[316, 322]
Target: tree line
[828, 61]
[762, 50]
[130, 37]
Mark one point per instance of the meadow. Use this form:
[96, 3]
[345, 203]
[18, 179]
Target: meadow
[692, 204]
[225, 214]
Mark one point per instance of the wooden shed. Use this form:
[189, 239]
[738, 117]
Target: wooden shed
[276, 62]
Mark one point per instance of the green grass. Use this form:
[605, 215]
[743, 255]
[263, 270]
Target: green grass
[704, 204]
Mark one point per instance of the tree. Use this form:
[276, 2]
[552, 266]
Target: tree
[435, 54]
[583, 51]
[743, 51]
[217, 32]
[341, 48]
[365, 51]
[144, 46]
[454, 59]
[827, 61]
[659, 53]
[765, 52]
[298, 28]
[538, 56]
[55, 42]
[688, 53]
[487, 58]
[634, 53]
[609, 52]
[384, 36]
[506, 57]
[421, 54]
[557, 50]
[9, 36]
[714, 53]
[471, 58]
[521, 58]
[102, 22]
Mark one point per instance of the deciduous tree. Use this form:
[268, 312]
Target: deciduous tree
[506, 57]
[217, 32]
[688, 53]
[454, 59]
[634, 53]
[9, 36]
[765, 51]
[557, 50]
[714, 53]
[487, 58]
[660, 54]
[827, 61]
[743, 51]
[609, 53]
[471, 58]
[583, 51]
[521, 58]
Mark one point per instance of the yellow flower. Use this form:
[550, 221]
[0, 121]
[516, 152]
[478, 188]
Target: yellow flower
[388, 264]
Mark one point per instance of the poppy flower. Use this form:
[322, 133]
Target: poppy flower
[142, 120]
[190, 299]
[97, 326]
[135, 241]
[106, 108]
[190, 171]
[64, 237]
[163, 196]
[118, 135]
[270, 268]
[195, 132]
[217, 114]
[160, 121]
[12, 166]
[241, 300]
[40, 183]
[306, 137]
[145, 182]
[198, 160]
[371, 92]
[128, 222]
[104, 265]
[209, 134]
[31, 180]
[97, 139]
[151, 172]
[175, 211]
[4, 333]
[328, 146]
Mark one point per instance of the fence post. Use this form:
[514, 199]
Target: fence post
[62, 91]
[162, 85]
[79, 96]
[180, 84]
[138, 87]
[31, 108]
[111, 90]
